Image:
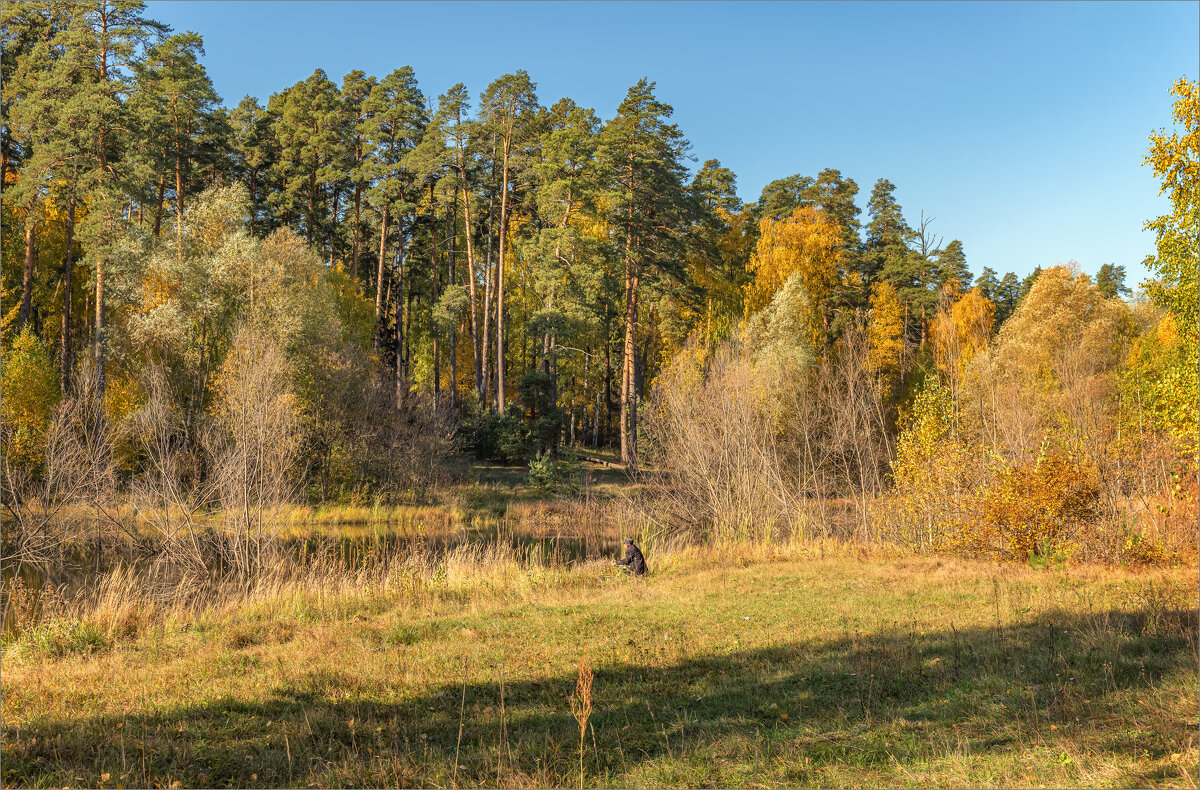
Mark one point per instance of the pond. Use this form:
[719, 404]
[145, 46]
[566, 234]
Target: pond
[557, 537]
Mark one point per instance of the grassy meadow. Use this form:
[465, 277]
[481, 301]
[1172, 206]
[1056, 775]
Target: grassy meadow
[817, 664]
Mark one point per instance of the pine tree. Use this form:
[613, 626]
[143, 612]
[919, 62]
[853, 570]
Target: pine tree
[356, 88]
[782, 196]
[1027, 283]
[180, 94]
[952, 266]
[101, 46]
[887, 233]
[987, 283]
[452, 122]
[1008, 293]
[253, 153]
[394, 117]
[1110, 281]
[507, 107]
[644, 152]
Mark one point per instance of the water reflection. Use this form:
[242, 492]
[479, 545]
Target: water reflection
[550, 539]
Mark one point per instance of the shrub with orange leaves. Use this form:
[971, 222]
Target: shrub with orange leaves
[1033, 509]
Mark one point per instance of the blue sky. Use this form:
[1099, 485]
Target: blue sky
[1020, 127]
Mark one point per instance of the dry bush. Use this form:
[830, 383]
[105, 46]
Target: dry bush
[760, 441]
[711, 431]
[170, 492]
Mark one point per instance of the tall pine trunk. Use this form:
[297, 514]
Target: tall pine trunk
[27, 276]
[451, 217]
[357, 232]
[178, 197]
[628, 358]
[436, 276]
[383, 228]
[64, 343]
[471, 274]
[401, 368]
[500, 283]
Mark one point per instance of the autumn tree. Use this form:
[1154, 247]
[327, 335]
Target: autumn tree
[808, 242]
[885, 337]
[1175, 159]
[960, 330]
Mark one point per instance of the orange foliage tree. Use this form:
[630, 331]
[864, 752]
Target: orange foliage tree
[960, 331]
[809, 242]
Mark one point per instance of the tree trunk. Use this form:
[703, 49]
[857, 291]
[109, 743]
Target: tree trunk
[401, 368]
[312, 202]
[433, 268]
[158, 210]
[335, 198]
[450, 237]
[629, 416]
[102, 169]
[178, 199]
[357, 231]
[478, 357]
[253, 199]
[500, 282]
[383, 227]
[27, 277]
[64, 343]
[608, 375]
[487, 304]
[629, 372]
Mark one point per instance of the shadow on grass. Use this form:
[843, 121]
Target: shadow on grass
[870, 703]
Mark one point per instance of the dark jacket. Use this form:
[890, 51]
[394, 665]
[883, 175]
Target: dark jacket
[634, 559]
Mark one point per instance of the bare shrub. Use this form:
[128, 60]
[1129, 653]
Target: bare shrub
[710, 430]
[254, 443]
[170, 492]
[760, 441]
[44, 506]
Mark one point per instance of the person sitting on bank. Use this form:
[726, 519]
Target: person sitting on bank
[633, 558]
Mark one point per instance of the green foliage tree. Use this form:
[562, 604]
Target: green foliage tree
[887, 232]
[644, 153]
[1110, 280]
[507, 109]
[952, 266]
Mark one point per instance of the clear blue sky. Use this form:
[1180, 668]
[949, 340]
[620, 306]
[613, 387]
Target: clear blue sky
[1020, 127]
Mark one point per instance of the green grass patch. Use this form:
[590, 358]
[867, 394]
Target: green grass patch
[840, 671]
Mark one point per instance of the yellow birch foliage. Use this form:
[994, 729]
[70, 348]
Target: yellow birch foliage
[808, 242]
[28, 397]
[1175, 159]
[934, 470]
[960, 333]
[885, 334]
